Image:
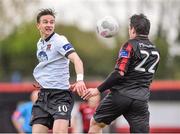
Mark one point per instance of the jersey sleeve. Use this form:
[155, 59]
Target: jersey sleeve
[124, 57]
[22, 109]
[19, 112]
[16, 115]
[63, 46]
[123, 61]
[110, 81]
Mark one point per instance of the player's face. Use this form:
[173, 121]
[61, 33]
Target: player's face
[132, 32]
[46, 25]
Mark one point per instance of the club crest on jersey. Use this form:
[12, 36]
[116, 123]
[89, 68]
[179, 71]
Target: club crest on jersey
[67, 47]
[48, 47]
[124, 54]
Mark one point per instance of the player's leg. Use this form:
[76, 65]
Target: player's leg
[95, 127]
[61, 106]
[39, 128]
[41, 120]
[138, 117]
[110, 108]
[60, 126]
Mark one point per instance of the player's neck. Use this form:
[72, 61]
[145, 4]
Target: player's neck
[46, 37]
[142, 35]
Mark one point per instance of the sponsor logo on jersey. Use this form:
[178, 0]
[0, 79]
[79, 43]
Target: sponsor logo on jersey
[42, 56]
[67, 47]
[124, 54]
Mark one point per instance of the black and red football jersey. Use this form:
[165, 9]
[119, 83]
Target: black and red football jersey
[138, 59]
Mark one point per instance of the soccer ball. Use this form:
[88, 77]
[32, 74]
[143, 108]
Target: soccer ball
[107, 27]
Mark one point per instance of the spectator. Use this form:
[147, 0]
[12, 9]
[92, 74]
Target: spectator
[21, 116]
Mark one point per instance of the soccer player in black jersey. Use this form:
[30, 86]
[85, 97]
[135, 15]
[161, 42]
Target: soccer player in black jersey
[129, 82]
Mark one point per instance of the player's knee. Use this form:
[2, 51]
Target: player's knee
[60, 126]
[60, 130]
[94, 123]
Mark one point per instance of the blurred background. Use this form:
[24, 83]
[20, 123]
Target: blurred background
[76, 19]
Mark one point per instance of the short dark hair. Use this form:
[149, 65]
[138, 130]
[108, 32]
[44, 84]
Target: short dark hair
[42, 12]
[140, 23]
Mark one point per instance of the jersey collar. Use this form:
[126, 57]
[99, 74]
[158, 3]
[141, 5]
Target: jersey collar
[142, 36]
[48, 38]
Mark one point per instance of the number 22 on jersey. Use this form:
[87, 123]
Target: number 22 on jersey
[140, 67]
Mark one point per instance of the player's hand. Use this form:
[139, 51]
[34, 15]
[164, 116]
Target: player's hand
[79, 87]
[36, 85]
[90, 93]
[71, 87]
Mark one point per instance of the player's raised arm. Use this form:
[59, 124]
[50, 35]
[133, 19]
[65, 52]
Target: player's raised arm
[79, 86]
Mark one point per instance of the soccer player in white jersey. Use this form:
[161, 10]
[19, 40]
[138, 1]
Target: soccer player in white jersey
[53, 108]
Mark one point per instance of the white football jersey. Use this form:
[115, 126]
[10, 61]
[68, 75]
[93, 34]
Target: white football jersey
[53, 68]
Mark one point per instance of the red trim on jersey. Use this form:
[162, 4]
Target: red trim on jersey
[124, 61]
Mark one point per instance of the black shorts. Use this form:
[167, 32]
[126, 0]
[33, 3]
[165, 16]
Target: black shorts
[135, 111]
[52, 104]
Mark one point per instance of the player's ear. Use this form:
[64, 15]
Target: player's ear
[133, 30]
[37, 25]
